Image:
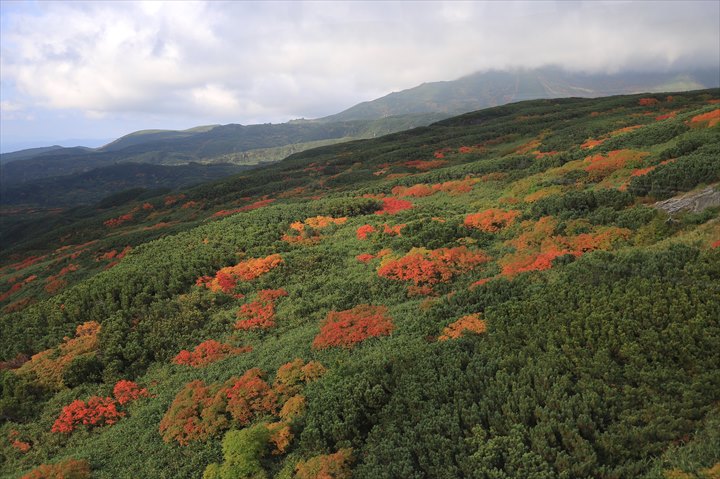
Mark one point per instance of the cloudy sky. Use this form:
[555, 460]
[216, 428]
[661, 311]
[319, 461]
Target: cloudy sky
[98, 70]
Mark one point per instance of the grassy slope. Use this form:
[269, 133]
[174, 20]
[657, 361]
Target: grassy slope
[579, 375]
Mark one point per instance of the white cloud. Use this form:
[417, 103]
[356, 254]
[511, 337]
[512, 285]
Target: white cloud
[247, 62]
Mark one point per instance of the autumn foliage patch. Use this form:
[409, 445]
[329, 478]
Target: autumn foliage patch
[425, 165]
[456, 187]
[207, 352]
[226, 279]
[48, 366]
[538, 246]
[708, 119]
[470, 323]
[200, 411]
[308, 231]
[422, 266]
[492, 220]
[600, 166]
[363, 231]
[98, 411]
[259, 314]
[347, 328]
[393, 205]
[68, 469]
[329, 466]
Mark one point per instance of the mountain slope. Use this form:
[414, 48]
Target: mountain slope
[492, 88]
[493, 295]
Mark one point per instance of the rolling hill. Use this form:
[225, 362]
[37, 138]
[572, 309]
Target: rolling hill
[500, 294]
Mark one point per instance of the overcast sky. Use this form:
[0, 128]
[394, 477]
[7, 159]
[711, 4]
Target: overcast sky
[103, 69]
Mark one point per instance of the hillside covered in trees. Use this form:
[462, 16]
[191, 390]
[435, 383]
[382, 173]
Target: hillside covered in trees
[496, 295]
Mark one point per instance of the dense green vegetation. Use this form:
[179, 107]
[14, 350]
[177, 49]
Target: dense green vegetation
[491, 296]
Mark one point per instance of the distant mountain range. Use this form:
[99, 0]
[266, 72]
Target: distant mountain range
[248, 145]
[493, 88]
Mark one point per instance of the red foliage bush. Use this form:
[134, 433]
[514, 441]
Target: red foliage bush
[492, 220]
[259, 314]
[347, 328]
[430, 267]
[98, 411]
[393, 205]
[207, 352]
[256, 315]
[128, 391]
[648, 101]
[365, 257]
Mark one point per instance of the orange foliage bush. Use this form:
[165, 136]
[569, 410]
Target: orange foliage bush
[308, 231]
[196, 414]
[291, 377]
[419, 190]
[470, 323]
[250, 395]
[392, 206]
[591, 143]
[708, 119]
[280, 436]
[329, 466]
[537, 247]
[17, 443]
[349, 327]
[227, 278]
[416, 191]
[200, 411]
[67, 469]
[207, 352]
[48, 366]
[600, 166]
[430, 267]
[293, 407]
[393, 230]
[648, 101]
[363, 231]
[492, 220]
